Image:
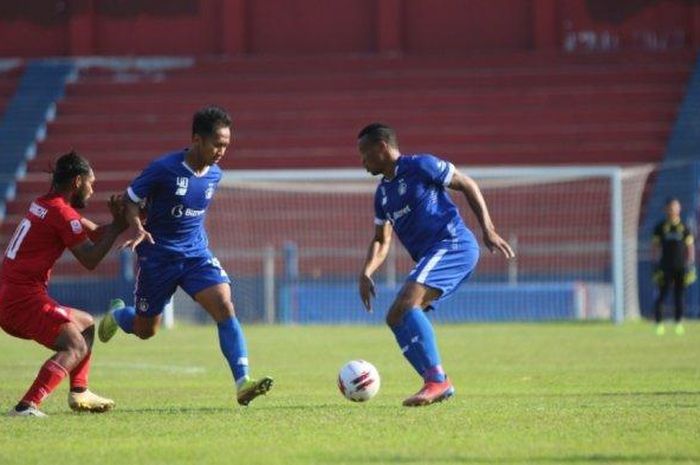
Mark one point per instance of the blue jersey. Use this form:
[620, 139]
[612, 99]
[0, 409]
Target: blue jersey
[418, 206]
[176, 200]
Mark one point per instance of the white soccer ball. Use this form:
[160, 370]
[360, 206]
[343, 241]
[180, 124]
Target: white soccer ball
[358, 380]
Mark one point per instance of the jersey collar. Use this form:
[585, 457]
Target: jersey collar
[184, 163]
[396, 170]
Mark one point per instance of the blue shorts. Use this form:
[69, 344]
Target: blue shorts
[445, 267]
[157, 280]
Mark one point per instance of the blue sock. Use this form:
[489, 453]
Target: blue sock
[408, 351]
[422, 340]
[125, 318]
[233, 346]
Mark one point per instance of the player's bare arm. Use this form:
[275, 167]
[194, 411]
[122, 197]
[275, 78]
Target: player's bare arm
[90, 253]
[376, 254]
[132, 211]
[470, 189]
[95, 231]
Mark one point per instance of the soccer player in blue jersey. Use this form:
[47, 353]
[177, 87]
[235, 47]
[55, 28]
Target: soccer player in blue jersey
[412, 198]
[172, 246]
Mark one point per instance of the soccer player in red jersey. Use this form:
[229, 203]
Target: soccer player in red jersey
[51, 225]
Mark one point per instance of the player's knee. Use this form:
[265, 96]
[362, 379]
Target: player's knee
[78, 348]
[145, 332]
[391, 320]
[223, 312]
[394, 317]
[227, 309]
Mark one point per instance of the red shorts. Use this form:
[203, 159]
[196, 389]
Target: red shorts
[34, 316]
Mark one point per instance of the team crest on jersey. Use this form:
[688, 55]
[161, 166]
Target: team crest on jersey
[143, 304]
[209, 192]
[402, 186]
[76, 226]
[182, 183]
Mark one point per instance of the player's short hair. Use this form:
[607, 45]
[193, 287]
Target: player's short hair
[67, 167]
[378, 132]
[208, 119]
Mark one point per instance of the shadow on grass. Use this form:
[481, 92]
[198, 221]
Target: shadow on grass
[236, 408]
[592, 458]
[590, 394]
[173, 410]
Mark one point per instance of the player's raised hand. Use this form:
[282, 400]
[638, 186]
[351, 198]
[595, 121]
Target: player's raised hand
[494, 243]
[367, 291]
[118, 211]
[141, 235]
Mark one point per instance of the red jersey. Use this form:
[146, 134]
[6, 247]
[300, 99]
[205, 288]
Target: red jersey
[50, 226]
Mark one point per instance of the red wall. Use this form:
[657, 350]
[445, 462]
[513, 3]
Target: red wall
[310, 26]
[463, 26]
[285, 27]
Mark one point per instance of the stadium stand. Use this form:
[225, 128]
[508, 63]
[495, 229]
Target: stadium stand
[10, 71]
[24, 121]
[512, 109]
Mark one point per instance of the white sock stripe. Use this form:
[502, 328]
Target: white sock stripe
[430, 265]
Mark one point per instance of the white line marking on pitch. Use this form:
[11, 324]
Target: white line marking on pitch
[189, 370]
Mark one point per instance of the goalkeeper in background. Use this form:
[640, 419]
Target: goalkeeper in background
[412, 199]
[673, 251]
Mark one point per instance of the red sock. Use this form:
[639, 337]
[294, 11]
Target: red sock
[79, 375]
[50, 376]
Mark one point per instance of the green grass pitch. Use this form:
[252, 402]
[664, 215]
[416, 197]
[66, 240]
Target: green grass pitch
[526, 393]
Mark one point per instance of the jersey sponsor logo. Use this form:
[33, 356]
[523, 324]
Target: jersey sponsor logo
[209, 192]
[37, 210]
[76, 227]
[384, 199]
[182, 183]
[399, 213]
[402, 186]
[179, 211]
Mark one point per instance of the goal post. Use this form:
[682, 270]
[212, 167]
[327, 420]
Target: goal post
[294, 241]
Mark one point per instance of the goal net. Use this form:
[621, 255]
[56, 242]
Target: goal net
[294, 243]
